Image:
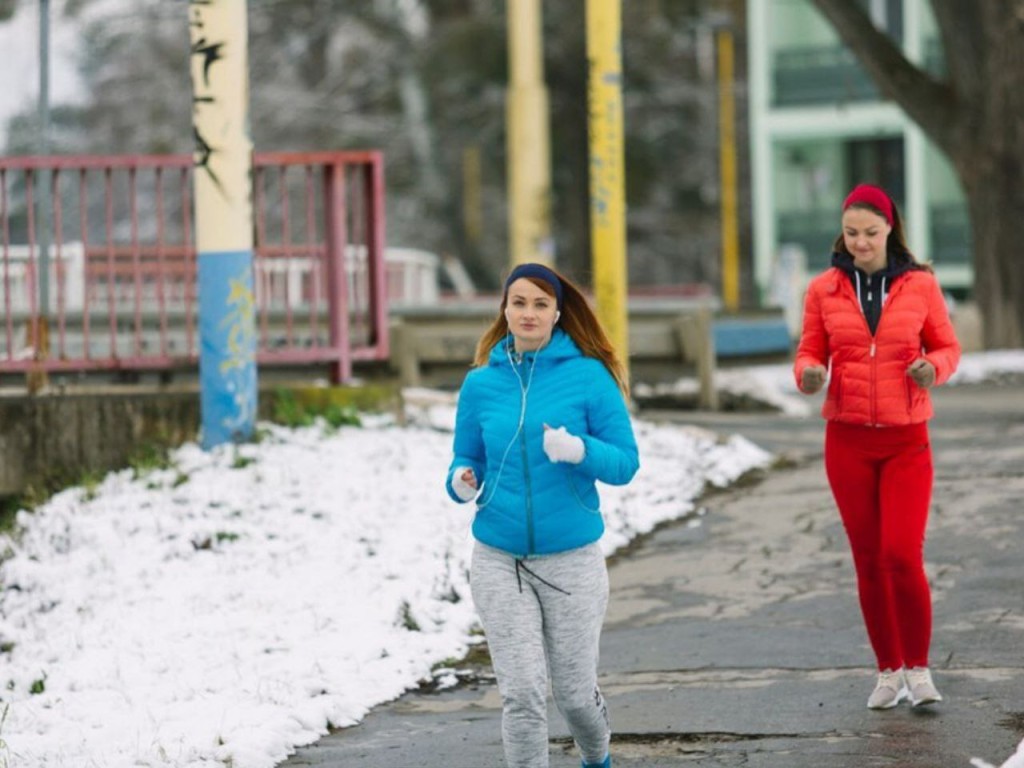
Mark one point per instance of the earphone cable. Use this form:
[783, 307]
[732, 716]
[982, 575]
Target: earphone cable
[524, 389]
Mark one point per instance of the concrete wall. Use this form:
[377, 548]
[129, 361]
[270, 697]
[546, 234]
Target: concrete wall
[48, 441]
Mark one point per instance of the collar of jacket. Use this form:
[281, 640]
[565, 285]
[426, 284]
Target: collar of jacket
[839, 280]
[896, 266]
[559, 347]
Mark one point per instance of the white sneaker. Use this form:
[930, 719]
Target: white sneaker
[922, 689]
[890, 690]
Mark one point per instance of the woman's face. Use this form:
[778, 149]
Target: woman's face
[865, 234]
[531, 315]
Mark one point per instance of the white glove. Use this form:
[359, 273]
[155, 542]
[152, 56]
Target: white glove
[560, 445]
[464, 488]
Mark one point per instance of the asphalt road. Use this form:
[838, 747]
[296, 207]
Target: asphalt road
[738, 641]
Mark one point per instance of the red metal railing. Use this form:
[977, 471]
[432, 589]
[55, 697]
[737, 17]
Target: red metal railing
[98, 271]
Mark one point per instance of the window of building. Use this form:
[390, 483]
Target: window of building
[877, 161]
[809, 63]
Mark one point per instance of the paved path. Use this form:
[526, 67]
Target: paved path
[739, 642]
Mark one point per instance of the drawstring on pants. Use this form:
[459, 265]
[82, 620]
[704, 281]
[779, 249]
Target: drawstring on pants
[519, 578]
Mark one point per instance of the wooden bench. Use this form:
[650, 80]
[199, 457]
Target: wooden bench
[766, 335]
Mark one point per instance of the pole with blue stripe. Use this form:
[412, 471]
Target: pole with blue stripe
[223, 215]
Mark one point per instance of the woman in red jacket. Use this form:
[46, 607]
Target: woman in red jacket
[878, 321]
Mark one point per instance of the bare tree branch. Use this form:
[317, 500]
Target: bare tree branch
[929, 102]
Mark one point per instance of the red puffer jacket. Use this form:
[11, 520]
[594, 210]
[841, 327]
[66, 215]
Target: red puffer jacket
[869, 382]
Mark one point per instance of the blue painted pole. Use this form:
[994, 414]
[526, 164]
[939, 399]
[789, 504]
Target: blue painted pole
[223, 215]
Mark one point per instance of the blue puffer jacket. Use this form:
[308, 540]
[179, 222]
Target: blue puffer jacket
[529, 505]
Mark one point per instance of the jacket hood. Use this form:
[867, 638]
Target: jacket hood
[559, 347]
[898, 264]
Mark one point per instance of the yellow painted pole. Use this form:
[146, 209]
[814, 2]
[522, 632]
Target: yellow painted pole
[727, 169]
[529, 154]
[607, 169]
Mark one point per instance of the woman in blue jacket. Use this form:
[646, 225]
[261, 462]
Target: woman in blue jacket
[541, 418]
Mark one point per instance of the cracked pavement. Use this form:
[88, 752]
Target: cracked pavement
[735, 638]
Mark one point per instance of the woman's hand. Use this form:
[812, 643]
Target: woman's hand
[812, 379]
[922, 372]
[561, 445]
[464, 483]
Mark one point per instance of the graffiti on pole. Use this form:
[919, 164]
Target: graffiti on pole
[209, 53]
[227, 323]
[203, 153]
[239, 326]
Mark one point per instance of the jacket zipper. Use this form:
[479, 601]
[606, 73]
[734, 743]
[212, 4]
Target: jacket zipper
[530, 544]
[874, 382]
[529, 496]
[872, 349]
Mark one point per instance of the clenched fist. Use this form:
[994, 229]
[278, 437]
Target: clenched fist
[812, 379]
[562, 445]
[464, 483]
[922, 372]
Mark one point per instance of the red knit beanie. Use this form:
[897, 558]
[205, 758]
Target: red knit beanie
[874, 196]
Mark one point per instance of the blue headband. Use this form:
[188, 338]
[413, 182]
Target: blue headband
[540, 272]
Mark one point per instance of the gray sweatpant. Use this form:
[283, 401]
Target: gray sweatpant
[539, 614]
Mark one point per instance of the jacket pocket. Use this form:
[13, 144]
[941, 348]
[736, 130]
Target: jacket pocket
[832, 406]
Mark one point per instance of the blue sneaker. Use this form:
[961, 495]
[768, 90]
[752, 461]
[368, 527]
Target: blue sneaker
[606, 764]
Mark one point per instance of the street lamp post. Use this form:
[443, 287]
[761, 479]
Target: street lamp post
[40, 327]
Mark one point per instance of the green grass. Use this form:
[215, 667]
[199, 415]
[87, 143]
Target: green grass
[240, 461]
[149, 456]
[406, 618]
[291, 410]
[8, 513]
[38, 686]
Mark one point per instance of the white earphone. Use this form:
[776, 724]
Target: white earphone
[557, 315]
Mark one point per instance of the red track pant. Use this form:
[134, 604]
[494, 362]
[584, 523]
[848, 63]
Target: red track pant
[881, 479]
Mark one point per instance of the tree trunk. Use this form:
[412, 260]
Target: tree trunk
[995, 198]
[990, 164]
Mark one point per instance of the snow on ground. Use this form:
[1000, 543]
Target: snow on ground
[234, 605]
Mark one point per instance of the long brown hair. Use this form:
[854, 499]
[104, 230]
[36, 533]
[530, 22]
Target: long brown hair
[577, 319]
[896, 247]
